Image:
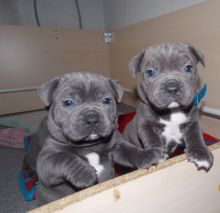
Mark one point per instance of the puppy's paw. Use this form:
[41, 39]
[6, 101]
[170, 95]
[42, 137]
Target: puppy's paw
[83, 177]
[201, 157]
[152, 157]
[164, 158]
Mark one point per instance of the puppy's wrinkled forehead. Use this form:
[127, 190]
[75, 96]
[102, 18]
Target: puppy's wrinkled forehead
[57, 86]
[83, 84]
[168, 54]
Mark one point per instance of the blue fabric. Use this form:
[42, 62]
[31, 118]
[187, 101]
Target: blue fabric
[27, 194]
[200, 95]
[24, 182]
[26, 144]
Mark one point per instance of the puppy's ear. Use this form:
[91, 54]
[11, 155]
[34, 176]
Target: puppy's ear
[197, 54]
[135, 62]
[117, 89]
[46, 90]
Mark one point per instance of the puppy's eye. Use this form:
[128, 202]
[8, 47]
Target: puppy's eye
[68, 103]
[188, 68]
[106, 100]
[151, 72]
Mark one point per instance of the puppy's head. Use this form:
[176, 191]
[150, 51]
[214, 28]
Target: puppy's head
[168, 74]
[82, 105]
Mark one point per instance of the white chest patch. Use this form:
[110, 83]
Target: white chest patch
[94, 161]
[171, 130]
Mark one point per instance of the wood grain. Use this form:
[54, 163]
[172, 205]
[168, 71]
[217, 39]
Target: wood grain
[174, 186]
[29, 56]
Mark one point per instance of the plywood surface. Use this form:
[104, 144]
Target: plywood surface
[198, 24]
[210, 125]
[19, 102]
[29, 56]
[174, 186]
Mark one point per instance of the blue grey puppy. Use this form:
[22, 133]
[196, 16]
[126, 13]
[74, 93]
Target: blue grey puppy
[166, 116]
[78, 143]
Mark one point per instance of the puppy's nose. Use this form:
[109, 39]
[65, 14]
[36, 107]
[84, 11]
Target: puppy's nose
[172, 87]
[92, 118]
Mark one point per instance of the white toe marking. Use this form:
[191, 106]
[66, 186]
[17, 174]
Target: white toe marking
[164, 158]
[201, 164]
[94, 161]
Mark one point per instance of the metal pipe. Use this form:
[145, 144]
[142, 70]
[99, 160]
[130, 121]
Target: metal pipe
[210, 111]
[25, 89]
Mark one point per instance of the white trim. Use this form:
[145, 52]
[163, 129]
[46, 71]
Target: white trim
[24, 89]
[210, 111]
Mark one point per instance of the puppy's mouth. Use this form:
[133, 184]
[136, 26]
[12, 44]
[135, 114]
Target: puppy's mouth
[95, 136]
[82, 133]
[173, 105]
[181, 98]
[92, 137]
[171, 102]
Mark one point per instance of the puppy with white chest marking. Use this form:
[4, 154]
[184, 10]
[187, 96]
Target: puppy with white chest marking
[166, 116]
[78, 143]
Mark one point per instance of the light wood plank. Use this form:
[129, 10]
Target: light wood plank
[29, 56]
[174, 186]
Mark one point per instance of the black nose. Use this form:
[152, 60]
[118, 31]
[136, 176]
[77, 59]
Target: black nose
[172, 87]
[92, 118]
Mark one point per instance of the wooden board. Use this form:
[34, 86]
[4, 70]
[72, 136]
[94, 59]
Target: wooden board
[29, 56]
[20, 102]
[174, 186]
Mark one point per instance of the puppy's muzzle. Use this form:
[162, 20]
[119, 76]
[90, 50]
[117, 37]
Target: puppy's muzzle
[92, 119]
[172, 87]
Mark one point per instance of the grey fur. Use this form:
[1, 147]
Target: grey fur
[59, 150]
[155, 110]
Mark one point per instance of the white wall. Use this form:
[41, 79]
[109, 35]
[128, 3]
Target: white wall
[96, 14]
[120, 13]
[61, 13]
[16, 12]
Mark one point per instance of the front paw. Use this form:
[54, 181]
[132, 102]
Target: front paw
[201, 157]
[152, 157]
[83, 177]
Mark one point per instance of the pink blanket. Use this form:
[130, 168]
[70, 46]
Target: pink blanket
[12, 137]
